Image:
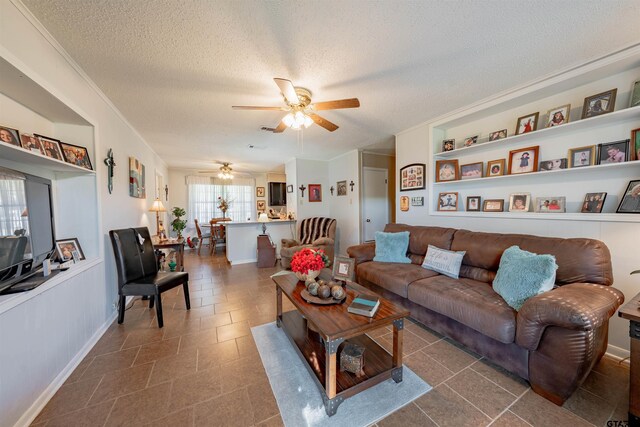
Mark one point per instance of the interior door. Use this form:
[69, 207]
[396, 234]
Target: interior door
[375, 203]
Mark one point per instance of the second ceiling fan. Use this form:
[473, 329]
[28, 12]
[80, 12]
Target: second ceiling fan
[301, 112]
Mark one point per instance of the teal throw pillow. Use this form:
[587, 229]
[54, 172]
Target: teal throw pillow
[522, 275]
[392, 247]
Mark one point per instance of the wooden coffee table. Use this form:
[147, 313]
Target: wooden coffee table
[318, 333]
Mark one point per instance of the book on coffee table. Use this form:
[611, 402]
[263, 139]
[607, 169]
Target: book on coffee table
[364, 305]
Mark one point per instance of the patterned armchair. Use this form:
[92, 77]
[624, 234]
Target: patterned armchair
[316, 233]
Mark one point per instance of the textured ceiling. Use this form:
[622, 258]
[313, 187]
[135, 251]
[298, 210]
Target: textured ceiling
[174, 68]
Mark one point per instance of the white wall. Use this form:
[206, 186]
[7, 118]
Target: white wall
[312, 172]
[345, 209]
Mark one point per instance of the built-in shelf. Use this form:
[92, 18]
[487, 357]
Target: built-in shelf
[616, 116]
[527, 176]
[568, 216]
[20, 155]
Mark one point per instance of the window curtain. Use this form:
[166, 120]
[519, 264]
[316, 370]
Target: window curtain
[13, 204]
[203, 193]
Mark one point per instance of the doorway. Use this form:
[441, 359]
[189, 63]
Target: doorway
[375, 201]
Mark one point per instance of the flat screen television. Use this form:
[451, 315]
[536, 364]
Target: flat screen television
[277, 194]
[27, 235]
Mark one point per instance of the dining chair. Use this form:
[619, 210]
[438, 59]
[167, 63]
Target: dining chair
[201, 236]
[138, 273]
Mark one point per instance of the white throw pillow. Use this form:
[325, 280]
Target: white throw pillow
[443, 261]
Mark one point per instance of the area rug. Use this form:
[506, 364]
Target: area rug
[299, 398]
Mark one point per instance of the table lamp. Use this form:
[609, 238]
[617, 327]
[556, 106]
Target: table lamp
[263, 218]
[157, 207]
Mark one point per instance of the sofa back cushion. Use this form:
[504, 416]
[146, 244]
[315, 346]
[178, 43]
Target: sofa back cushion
[579, 260]
[420, 237]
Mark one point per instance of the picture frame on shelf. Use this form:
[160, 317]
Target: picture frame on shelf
[76, 155]
[448, 145]
[528, 123]
[50, 147]
[598, 104]
[523, 160]
[630, 202]
[412, 177]
[471, 170]
[315, 192]
[447, 170]
[472, 140]
[558, 116]
[473, 204]
[634, 99]
[496, 167]
[10, 136]
[593, 202]
[493, 205]
[553, 165]
[259, 191]
[344, 268]
[499, 134]
[552, 204]
[582, 156]
[404, 203]
[69, 249]
[519, 202]
[261, 205]
[342, 188]
[417, 201]
[635, 145]
[31, 143]
[289, 188]
[448, 202]
[613, 152]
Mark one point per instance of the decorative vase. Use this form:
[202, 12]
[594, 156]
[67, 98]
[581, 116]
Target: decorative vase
[309, 277]
[172, 265]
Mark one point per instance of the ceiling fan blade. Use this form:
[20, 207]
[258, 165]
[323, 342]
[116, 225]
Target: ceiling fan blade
[280, 128]
[251, 107]
[288, 90]
[337, 104]
[323, 122]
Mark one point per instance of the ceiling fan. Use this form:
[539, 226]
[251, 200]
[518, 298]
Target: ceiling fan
[225, 172]
[301, 112]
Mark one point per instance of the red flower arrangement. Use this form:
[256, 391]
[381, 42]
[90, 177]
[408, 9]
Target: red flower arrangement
[307, 260]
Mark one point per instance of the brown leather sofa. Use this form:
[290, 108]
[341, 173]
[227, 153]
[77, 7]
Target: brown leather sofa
[553, 341]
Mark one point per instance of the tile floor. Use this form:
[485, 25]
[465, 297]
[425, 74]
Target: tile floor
[203, 369]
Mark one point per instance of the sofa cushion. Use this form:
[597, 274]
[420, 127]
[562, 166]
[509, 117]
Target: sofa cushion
[392, 276]
[392, 247]
[420, 237]
[443, 261]
[472, 303]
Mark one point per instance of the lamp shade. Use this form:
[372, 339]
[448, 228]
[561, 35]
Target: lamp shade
[263, 217]
[157, 206]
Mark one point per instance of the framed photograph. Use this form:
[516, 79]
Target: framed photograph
[634, 101]
[631, 200]
[468, 142]
[344, 268]
[404, 203]
[65, 249]
[10, 136]
[613, 152]
[448, 145]
[601, 103]
[558, 116]
[495, 167]
[417, 201]
[552, 165]
[582, 156]
[519, 202]
[315, 192]
[471, 170]
[412, 177]
[447, 170]
[473, 203]
[137, 186]
[342, 188]
[593, 202]
[289, 188]
[76, 155]
[493, 205]
[261, 205]
[550, 204]
[499, 134]
[259, 191]
[50, 147]
[448, 202]
[635, 145]
[523, 160]
[32, 143]
[527, 123]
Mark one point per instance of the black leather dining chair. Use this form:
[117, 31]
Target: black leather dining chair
[138, 273]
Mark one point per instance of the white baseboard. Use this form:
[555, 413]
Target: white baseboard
[619, 354]
[243, 261]
[27, 418]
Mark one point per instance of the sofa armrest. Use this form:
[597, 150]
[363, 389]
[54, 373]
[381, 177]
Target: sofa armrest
[362, 253]
[577, 306]
[289, 243]
[323, 241]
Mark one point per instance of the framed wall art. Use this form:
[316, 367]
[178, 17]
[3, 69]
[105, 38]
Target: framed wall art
[635, 145]
[519, 202]
[582, 156]
[69, 249]
[553, 165]
[472, 140]
[259, 191]
[495, 167]
[558, 116]
[601, 103]
[342, 188]
[412, 177]
[446, 170]
[523, 160]
[630, 202]
[50, 147]
[448, 201]
[527, 123]
[499, 134]
[417, 201]
[76, 155]
[493, 205]
[33, 144]
[137, 187]
[448, 145]
[344, 268]
[613, 152]
[593, 202]
[472, 170]
[315, 192]
[9, 136]
[550, 204]
[473, 203]
[404, 203]
[634, 100]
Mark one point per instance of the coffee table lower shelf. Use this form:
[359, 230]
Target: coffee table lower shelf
[378, 365]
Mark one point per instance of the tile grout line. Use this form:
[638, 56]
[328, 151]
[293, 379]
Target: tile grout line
[508, 409]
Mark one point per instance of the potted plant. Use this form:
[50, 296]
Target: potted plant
[307, 263]
[178, 224]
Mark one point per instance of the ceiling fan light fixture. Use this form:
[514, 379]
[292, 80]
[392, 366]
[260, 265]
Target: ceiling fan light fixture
[307, 121]
[225, 172]
[288, 120]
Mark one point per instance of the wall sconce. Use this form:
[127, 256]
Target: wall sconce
[302, 188]
[332, 189]
[351, 184]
